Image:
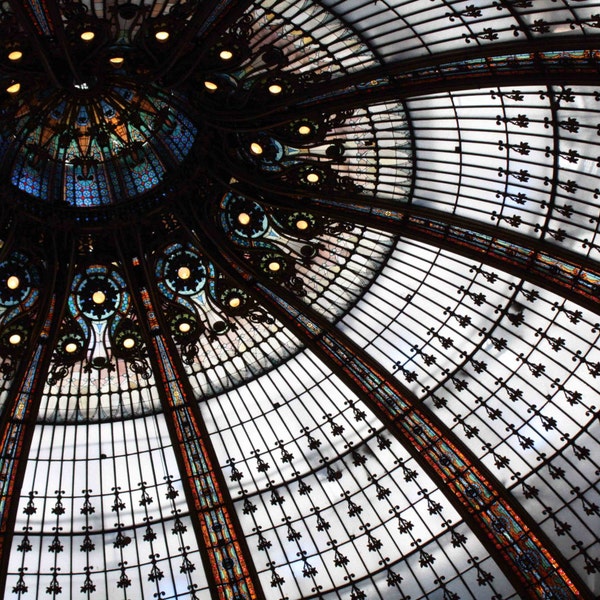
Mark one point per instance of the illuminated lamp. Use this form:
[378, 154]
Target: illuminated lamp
[98, 297]
[256, 148]
[184, 273]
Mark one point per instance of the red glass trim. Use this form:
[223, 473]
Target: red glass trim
[229, 569]
[527, 557]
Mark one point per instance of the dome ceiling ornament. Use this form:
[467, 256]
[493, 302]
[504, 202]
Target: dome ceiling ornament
[299, 300]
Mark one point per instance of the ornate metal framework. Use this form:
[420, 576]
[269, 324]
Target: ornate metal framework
[299, 300]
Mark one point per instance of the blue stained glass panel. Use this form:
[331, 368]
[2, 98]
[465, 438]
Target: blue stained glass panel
[181, 138]
[86, 191]
[94, 151]
[147, 174]
[28, 179]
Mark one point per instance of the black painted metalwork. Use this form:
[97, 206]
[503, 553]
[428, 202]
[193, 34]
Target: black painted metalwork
[322, 291]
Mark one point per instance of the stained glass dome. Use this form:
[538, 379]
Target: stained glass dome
[299, 299]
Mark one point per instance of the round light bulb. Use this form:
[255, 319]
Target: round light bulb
[302, 224]
[15, 55]
[116, 60]
[162, 35]
[14, 88]
[235, 301]
[304, 130]
[312, 177]
[13, 282]
[274, 266]
[256, 148]
[87, 36]
[184, 327]
[226, 54]
[14, 339]
[71, 347]
[184, 273]
[243, 218]
[128, 343]
[275, 89]
[210, 86]
[98, 297]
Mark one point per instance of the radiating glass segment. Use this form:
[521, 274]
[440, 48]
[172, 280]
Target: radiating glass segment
[103, 511]
[524, 159]
[326, 496]
[388, 171]
[509, 367]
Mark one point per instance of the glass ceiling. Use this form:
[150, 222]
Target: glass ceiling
[299, 299]
[115, 146]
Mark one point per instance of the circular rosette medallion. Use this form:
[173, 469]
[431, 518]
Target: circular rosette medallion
[243, 218]
[182, 271]
[18, 281]
[99, 293]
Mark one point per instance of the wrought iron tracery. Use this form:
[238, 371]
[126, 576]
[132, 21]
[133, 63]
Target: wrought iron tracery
[299, 300]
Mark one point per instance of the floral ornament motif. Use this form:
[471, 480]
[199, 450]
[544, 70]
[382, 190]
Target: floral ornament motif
[99, 326]
[198, 300]
[275, 240]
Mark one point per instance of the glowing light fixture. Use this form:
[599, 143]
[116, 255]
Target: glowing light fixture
[162, 35]
[13, 282]
[304, 130]
[87, 35]
[235, 301]
[243, 218]
[226, 54]
[184, 273]
[302, 224]
[14, 339]
[275, 89]
[15, 55]
[274, 266]
[98, 297]
[14, 88]
[71, 347]
[116, 60]
[184, 327]
[312, 177]
[256, 148]
[210, 86]
[128, 343]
